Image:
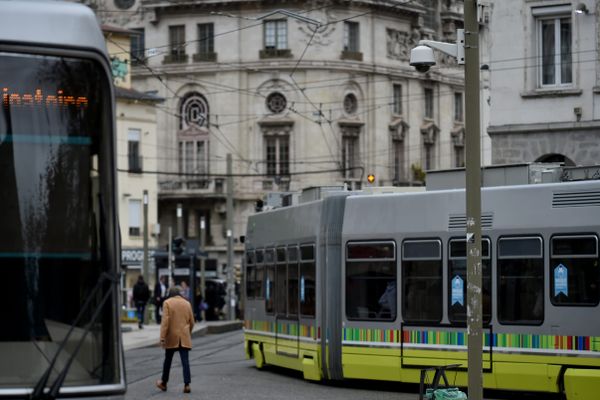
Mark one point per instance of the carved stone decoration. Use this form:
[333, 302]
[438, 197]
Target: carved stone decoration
[458, 135]
[398, 129]
[279, 90]
[399, 43]
[429, 130]
[323, 14]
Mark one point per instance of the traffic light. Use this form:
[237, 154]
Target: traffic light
[178, 246]
[238, 273]
[370, 178]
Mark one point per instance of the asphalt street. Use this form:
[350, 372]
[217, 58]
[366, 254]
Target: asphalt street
[220, 371]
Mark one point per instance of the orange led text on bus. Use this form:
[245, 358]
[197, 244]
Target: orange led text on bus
[38, 98]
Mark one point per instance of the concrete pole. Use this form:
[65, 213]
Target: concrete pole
[170, 257]
[230, 285]
[145, 262]
[473, 198]
[202, 263]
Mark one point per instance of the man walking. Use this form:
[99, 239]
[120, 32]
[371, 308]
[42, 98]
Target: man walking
[176, 335]
[160, 293]
[141, 294]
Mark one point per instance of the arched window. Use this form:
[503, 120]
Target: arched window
[193, 111]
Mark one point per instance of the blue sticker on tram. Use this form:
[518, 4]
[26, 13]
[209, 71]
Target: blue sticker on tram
[458, 291]
[561, 280]
[268, 296]
[302, 289]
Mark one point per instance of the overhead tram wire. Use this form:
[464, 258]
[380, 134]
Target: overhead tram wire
[259, 175]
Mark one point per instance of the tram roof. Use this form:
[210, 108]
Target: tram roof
[50, 23]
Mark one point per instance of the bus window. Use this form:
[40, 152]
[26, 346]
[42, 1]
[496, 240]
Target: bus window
[281, 289]
[250, 274]
[520, 281]
[292, 278]
[422, 281]
[259, 290]
[269, 281]
[574, 271]
[457, 281]
[371, 277]
[308, 294]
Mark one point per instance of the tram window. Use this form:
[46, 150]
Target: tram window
[269, 292]
[457, 281]
[422, 281]
[574, 271]
[281, 283]
[520, 281]
[260, 258]
[259, 291]
[292, 279]
[308, 293]
[371, 277]
[250, 275]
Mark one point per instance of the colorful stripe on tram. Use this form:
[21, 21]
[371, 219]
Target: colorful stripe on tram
[284, 328]
[503, 340]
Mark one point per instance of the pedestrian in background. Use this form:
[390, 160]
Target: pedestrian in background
[141, 295]
[160, 294]
[176, 335]
[185, 290]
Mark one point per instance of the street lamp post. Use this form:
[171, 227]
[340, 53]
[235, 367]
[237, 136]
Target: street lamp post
[466, 51]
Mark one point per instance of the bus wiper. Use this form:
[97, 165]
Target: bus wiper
[38, 391]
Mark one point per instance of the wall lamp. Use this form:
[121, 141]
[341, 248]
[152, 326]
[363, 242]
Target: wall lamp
[581, 9]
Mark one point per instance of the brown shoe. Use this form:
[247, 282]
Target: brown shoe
[187, 389]
[162, 386]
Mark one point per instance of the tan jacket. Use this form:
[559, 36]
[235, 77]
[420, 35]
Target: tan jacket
[177, 323]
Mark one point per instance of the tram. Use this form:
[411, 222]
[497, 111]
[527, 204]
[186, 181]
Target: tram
[59, 243]
[373, 286]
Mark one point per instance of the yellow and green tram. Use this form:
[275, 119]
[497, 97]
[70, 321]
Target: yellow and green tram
[373, 286]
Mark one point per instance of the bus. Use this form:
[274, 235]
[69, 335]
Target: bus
[59, 240]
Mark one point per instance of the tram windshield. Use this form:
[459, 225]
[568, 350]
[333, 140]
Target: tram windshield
[55, 202]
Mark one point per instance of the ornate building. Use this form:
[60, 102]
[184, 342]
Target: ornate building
[297, 104]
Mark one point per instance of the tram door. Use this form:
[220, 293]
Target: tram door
[287, 329]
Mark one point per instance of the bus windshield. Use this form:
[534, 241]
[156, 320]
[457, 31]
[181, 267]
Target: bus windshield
[55, 127]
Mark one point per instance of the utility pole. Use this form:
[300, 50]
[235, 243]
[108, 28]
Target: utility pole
[202, 263]
[170, 257]
[473, 197]
[230, 284]
[145, 263]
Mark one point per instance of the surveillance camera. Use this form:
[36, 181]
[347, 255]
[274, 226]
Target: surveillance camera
[421, 57]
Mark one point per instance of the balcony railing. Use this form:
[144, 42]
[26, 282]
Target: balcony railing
[205, 57]
[136, 164]
[175, 59]
[275, 53]
[351, 55]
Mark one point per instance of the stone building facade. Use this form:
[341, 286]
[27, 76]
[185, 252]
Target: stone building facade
[296, 104]
[544, 71]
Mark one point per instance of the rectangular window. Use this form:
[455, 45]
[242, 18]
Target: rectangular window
[135, 216]
[422, 281]
[250, 274]
[177, 41]
[458, 107]
[137, 50]
[269, 281]
[397, 99]
[350, 156]
[554, 47]
[371, 277]
[574, 271]
[281, 283]
[428, 103]
[398, 147]
[278, 155]
[457, 281]
[308, 293]
[276, 34]
[292, 279]
[351, 37]
[259, 290]
[133, 150]
[193, 157]
[520, 281]
[206, 39]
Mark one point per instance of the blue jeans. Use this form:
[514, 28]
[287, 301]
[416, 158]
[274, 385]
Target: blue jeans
[141, 307]
[185, 364]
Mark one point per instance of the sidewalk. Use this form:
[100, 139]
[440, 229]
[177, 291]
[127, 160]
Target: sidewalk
[135, 338]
